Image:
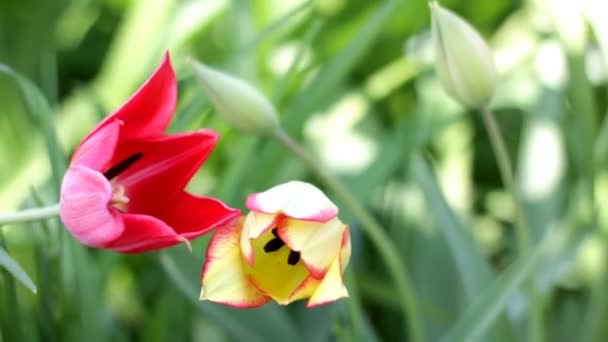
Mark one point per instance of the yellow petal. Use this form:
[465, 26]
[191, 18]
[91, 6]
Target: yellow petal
[330, 288]
[319, 243]
[255, 224]
[223, 278]
[272, 274]
[346, 250]
[305, 290]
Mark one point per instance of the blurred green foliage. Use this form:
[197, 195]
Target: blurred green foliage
[353, 81]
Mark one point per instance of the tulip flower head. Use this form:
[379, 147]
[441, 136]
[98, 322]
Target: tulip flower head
[124, 188]
[240, 104]
[463, 61]
[290, 246]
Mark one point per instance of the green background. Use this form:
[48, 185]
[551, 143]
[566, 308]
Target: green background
[354, 83]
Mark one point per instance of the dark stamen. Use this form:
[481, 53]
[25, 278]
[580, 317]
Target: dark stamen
[275, 233]
[122, 166]
[273, 245]
[293, 258]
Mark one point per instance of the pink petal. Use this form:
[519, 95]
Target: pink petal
[143, 233]
[294, 199]
[224, 279]
[84, 210]
[148, 111]
[96, 151]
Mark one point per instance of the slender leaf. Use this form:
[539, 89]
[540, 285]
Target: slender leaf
[40, 109]
[15, 270]
[491, 301]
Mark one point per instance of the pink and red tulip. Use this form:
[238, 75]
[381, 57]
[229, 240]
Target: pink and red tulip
[124, 188]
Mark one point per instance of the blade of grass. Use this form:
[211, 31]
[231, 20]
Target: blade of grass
[474, 271]
[12, 310]
[322, 88]
[12, 267]
[491, 301]
[40, 109]
[267, 324]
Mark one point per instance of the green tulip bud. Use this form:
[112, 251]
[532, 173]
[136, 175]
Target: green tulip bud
[463, 61]
[241, 105]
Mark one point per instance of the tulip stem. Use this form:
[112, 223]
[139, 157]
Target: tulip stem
[505, 168]
[31, 214]
[374, 231]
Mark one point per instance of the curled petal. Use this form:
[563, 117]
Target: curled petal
[294, 199]
[84, 209]
[330, 288]
[223, 277]
[318, 243]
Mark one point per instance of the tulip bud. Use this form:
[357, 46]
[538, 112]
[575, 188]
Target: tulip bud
[463, 61]
[242, 106]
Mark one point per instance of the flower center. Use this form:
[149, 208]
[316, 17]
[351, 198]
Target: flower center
[276, 244]
[119, 199]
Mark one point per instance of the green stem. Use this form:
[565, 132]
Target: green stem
[33, 214]
[374, 231]
[505, 167]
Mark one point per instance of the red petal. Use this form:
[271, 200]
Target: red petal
[143, 233]
[156, 180]
[148, 111]
[192, 216]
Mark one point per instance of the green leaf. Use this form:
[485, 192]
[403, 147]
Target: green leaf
[15, 270]
[491, 301]
[324, 86]
[475, 272]
[40, 109]
[268, 323]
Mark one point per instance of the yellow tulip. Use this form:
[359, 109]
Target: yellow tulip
[290, 246]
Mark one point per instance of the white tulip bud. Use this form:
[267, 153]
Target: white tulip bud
[463, 61]
[241, 105]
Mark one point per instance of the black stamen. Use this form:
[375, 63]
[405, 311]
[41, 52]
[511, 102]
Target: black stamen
[273, 245]
[122, 166]
[275, 233]
[293, 258]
